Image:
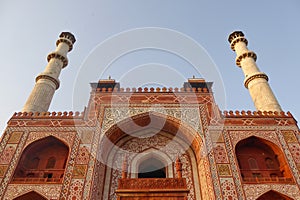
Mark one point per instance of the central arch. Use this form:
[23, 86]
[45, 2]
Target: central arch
[173, 132]
[176, 128]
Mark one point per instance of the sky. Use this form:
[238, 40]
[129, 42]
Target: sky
[148, 43]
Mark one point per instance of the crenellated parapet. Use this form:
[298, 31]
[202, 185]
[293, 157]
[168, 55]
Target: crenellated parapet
[50, 119]
[60, 115]
[108, 93]
[249, 113]
[258, 118]
[193, 85]
[152, 90]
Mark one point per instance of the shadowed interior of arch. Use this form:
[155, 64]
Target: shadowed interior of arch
[273, 195]
[42, 161]
[261, 161]
[30, 196]
[152, 168]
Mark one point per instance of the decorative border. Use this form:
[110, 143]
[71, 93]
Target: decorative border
[254, 191]
[13, 164]
[51, 191]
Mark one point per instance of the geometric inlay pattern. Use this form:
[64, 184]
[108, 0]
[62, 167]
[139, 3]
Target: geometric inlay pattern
[216, 136]
[187, 114]
[7, 154]
[289, 136]
[15, 137]
[51, 191]
[66, 137]
[76, 189]
[3, 169]
[228, 189]
[83, 155]
[237, 136]
[220, 154]
[79, 171]
[224, 170]
[86, 137]
[295, 151]
[253, 191]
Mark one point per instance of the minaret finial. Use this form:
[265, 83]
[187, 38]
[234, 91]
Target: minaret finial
[47, 82]
[255, 81]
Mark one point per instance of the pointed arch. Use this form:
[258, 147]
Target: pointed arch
[155, 121]
[152, 168]
[124, 137]
[149, 154]
[43, 160]
[161, 131]
[273, 195]
[261, 161]
[30, 195]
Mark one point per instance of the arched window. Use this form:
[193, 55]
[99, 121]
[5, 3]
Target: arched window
[42, 161]
[152, 168]
[270, 163]
[258, 161]
[51, 163]
[252, 163]
[30, 195]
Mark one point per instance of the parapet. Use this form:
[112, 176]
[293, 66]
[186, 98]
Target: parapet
[193, 85]
[235, 114]
[60, 115]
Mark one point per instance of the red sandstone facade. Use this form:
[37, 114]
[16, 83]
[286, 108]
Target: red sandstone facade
[150, 143]
[97, 154]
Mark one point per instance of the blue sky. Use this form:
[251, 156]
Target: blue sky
[29, 30]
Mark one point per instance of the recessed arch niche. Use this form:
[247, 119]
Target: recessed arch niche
[273, 195]
[43, 160]
[151, 160]
[173, 139]
[261, 161]
[30, 196]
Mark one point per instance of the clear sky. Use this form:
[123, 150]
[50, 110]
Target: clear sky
[29, 30]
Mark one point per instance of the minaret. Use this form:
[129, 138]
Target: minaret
[47, 82]
[255, 81]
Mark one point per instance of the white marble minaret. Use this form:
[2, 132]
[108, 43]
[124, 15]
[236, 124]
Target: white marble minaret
[47, 82]
[255, 81]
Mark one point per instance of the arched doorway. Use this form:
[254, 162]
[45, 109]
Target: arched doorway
[261, 161]
[152, 168]
[42, 161]
[148, 145]
[30, 196]
[273, 195]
